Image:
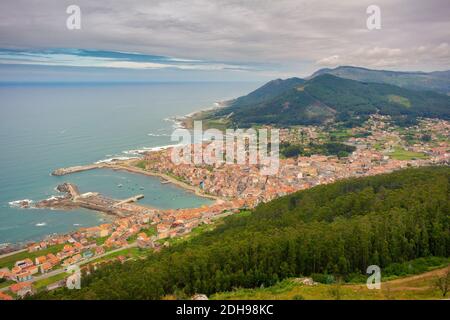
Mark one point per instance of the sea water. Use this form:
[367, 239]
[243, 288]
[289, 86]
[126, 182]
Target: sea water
[47, 126]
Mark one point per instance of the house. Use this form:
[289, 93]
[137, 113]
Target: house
[40, 260]
[24, 276]
[76, 258]
[67, 248]
[163, 230]
[87, 254]
[46, 267]
[32, 269]
[4, 297]
[24, 263]
[99, 251]
[54, 260]
[6, 274]
[16, 270]
[103, 232]
[144, 242]
[34, 247]
[78, 246]
[43, 245]
[22, 289]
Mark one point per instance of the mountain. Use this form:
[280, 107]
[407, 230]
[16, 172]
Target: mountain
[268, 91]
[326, 98]
[334, 229]
[438, 81]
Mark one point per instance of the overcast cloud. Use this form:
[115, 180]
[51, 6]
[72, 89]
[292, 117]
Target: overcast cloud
[284, 37]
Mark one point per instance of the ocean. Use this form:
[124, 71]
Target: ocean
[47, 126]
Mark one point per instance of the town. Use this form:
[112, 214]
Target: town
[379, 147]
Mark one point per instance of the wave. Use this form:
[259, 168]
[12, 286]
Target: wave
[135, 153]
[216, 105]
[115, 159]
[177, 124]
[151, 149]
[158, 134]
[24, 203]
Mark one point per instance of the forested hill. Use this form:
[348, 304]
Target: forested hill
[337, 229]
[270, 90]
[328, 98]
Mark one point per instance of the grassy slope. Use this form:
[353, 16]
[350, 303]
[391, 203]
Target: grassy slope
[412, 287]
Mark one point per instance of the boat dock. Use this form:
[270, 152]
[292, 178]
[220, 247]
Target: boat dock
[95, 201]
[69, 170]
[129, 200]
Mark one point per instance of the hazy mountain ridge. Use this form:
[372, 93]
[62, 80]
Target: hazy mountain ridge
[438, 81]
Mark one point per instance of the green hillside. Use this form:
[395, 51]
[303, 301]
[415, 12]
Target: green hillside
[337, 229]
[327, 98]
[270, 90]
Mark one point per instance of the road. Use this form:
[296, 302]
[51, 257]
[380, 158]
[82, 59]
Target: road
[12, 253]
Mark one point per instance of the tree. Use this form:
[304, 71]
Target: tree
[442, 283]
[335, 290]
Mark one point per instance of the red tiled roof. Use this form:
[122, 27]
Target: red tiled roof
[19, 286]
[4, 296]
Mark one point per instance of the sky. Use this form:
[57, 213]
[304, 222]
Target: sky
[229, 40]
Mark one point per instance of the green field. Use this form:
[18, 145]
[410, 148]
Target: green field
[128, 252]
[413, 279]
[6, 283]
[401, 154]
[42, 284]
[399, 100]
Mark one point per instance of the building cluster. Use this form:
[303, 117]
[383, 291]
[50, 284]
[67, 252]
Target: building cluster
[373, 155]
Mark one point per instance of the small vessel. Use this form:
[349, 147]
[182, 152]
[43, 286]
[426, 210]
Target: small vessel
[119, 185]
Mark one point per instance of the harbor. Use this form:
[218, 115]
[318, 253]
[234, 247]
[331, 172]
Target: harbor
[94, 201]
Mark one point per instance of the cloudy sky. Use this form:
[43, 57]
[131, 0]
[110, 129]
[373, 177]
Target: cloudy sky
[218, 39]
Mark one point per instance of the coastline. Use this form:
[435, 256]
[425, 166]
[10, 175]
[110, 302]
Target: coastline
[186, 121]
[123, 165]
[127, 163]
